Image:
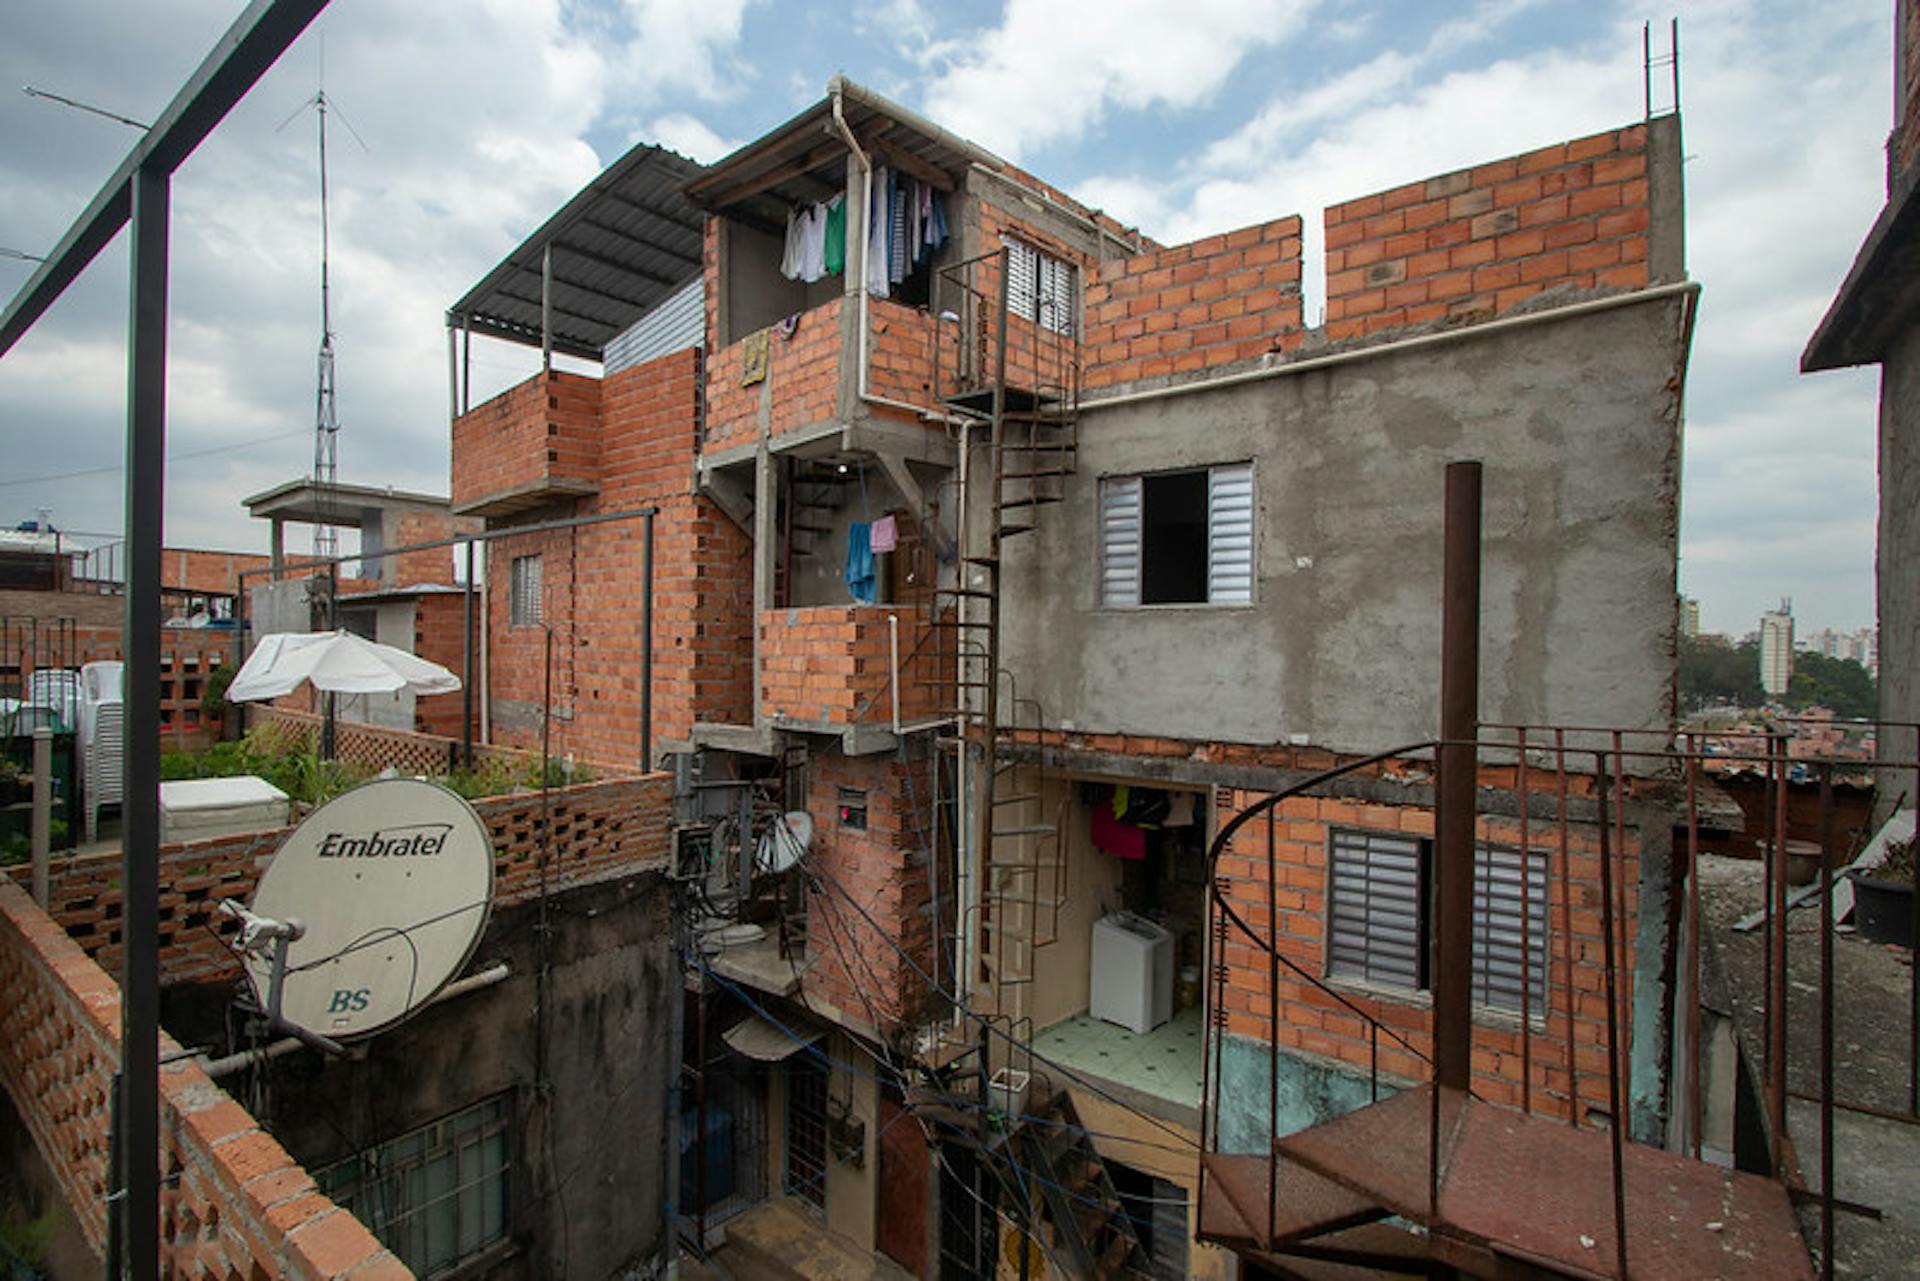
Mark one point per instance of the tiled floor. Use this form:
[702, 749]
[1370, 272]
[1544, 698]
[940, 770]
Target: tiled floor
[1164, 1062]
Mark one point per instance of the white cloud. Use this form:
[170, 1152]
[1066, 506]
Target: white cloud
[475, 131]
[1054, 68]
[690, 136]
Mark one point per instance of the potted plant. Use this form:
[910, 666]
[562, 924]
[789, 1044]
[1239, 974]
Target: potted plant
[1883, 897]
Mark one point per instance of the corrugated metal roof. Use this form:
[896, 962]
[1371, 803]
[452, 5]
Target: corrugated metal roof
[800, 161]
[621, 247]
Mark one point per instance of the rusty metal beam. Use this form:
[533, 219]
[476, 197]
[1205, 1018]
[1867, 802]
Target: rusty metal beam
[1458, 763]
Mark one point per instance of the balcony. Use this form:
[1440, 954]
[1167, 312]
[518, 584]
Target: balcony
[832, 665]
[533, 444]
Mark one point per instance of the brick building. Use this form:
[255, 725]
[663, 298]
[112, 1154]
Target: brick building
[1026, 555]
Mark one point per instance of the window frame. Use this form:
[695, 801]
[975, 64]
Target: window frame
[1051, 280]
[387, 1170]
[1233, 536]
[1491, 997]
[526, 590]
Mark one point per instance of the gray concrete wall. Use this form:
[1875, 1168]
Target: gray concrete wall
[284, 606]
[392, 625]
[588, 1146]
[1577, 422]
[1898, 560]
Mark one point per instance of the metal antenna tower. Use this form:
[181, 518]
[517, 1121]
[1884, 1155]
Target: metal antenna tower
[326, 420]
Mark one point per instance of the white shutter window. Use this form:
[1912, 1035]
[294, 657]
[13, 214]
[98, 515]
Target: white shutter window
[1374, 915]
[1230, 535]
[1509, 930]
[1023, 279]
[1055, 293]
[1120, 540]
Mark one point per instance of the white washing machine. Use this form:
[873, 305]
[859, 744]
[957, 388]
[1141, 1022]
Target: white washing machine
[1132, 980]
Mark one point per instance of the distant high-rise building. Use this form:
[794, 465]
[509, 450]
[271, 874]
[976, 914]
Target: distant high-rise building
[1689, 617]
[1776, 650]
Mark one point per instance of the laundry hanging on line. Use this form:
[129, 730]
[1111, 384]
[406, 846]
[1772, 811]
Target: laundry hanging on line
[906, 225]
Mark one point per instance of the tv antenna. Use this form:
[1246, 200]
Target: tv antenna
[326, 418]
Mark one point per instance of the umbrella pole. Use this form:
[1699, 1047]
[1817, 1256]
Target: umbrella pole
[326, 729]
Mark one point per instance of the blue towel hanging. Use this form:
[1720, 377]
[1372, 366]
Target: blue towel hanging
[860, 568]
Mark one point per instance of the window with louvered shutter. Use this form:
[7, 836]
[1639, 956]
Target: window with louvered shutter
[1509, 929]
[1023, 279]
[1379, 914]
[1040, 287]
[1376, 923]
[1178, 538]
[1230, 535]
[1120, 540]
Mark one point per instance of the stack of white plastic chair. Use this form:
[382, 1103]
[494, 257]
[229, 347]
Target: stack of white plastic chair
[102, 738]
[57, 688]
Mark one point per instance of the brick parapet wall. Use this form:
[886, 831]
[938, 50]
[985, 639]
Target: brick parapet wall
[1194, 306]
[1475, 243]
[535, 436]
[599, 829]
[900, 356]
[832, 664]
[233, 1203]
[1314, 1022]
[203, 571]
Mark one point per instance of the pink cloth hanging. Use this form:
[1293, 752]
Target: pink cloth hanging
[1123, 840]
[883, 534]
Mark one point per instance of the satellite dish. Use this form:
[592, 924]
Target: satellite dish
[785, 842]
[386, 889]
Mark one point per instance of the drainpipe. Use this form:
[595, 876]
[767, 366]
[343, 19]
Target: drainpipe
[837, 87]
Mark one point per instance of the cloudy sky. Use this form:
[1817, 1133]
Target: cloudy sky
[479, 119]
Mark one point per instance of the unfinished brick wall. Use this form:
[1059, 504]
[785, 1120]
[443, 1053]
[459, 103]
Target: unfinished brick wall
[538, 436]
[833, 664]
[1474, 243]
[214, 573]
[900, 356]
[433, 565]
[1191, 307]
[1315, 1023]
[233, 1204]
[1037, 357]
[600, 829]
[592, 577]
[802, 385]
[1904, 145]
[439, 636]
[856, 966]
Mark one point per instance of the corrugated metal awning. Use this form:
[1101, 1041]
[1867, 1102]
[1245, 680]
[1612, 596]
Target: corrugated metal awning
[622, 246]
[759, 1038]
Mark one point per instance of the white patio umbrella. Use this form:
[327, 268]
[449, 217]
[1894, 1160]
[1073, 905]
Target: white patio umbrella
[337, 662]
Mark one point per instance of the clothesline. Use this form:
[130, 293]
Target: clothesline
[907, 224]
